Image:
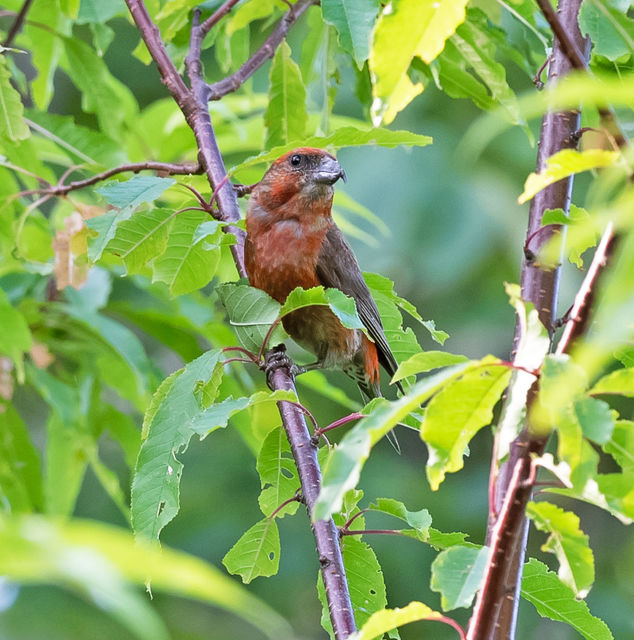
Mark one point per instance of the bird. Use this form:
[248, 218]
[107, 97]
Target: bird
[292, 241]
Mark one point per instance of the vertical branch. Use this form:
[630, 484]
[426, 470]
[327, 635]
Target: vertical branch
[193, 103]
[495, 613]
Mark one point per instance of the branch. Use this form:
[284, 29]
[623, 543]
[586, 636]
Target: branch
[217, 15]
[193, 104]
[233, 82]
[169, 168]
[326, 533]
[495, 613]
[568, 47]
[579, 315]
[17, 24]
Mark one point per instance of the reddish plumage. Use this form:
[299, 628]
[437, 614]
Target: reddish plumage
[292, 241]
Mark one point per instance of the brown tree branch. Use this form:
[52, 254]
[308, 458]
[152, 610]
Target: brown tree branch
[233, 82]
[217, 15]
[17, 24]
[193, 104]
[168, 168]
[495, 613]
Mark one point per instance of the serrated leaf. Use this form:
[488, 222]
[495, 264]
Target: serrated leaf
[155, 486]
[251, 312]
[457, 413]
[12, 125]
[142, 238]
[456, 573]
[135, 191]
[256, 553]
[611, 31]
[556, 601]
[278, 474]
[286, 116]
[563, 164]
[420, 27]
[217, 415]
[186, 265]
[354, 21]
[619, 382]
[420, 520]
[344, 466]
[567, 542]
[383, 621]
[426, 361]
[342, 137]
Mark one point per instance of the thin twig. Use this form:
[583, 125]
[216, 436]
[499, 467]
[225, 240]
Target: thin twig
[17, 24]
[267, 50]
[169, 168]
[567, 44]
[216, 16]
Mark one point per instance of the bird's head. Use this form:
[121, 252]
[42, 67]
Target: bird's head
[305, 172]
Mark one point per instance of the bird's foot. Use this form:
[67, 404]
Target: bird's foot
[275, 359]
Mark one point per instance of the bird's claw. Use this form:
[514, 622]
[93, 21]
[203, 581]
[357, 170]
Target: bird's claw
[275, 359]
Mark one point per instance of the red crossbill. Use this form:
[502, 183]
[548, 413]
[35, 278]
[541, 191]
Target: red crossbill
[292, 241]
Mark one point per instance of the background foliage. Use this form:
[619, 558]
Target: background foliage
[107, 292]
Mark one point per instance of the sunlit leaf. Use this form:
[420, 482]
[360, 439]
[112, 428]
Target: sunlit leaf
[12, 125]
[420, 520]
[563, 164]
[457, 413]
[567, 542]
[286, 116]
[426, 361]
[155, 486]
[619, 382]
[456, 573]
[135, 191]
[556, 601]
[257, 552]
[15, 337]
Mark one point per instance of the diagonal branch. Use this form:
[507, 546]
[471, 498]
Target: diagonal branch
[17, 24]
[217, 15]
[233, 82]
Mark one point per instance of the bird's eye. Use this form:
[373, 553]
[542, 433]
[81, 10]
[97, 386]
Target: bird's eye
[296, 160]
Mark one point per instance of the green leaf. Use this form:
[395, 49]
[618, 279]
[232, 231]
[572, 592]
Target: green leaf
[563, 164]
[577, 243]
[365, 582]
[567, 542]
[217, 416]
[621, 445]
[620, 382]
[188, 264]
[251, 312]
[426, 361]
[12, 125]
[99, 11]
[344, 466]
[340, 304]
[342, 137]
[556, 601]
[135, 191]
[155, 486]
[383, 621]
[456, 573]
[20, 473]
[420, 27]
[595, 418]
[15, 337]
[286, 116]
[354, 21]
[457, 413]
[420, 520]
[101, 562]
[142, 238]
[611, 31]
[278, 474]
[257, 552]
[105, 227]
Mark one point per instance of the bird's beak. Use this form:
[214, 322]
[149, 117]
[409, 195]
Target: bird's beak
[329, 171]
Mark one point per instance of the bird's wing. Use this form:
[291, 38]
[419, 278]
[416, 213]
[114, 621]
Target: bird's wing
[337, 267]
